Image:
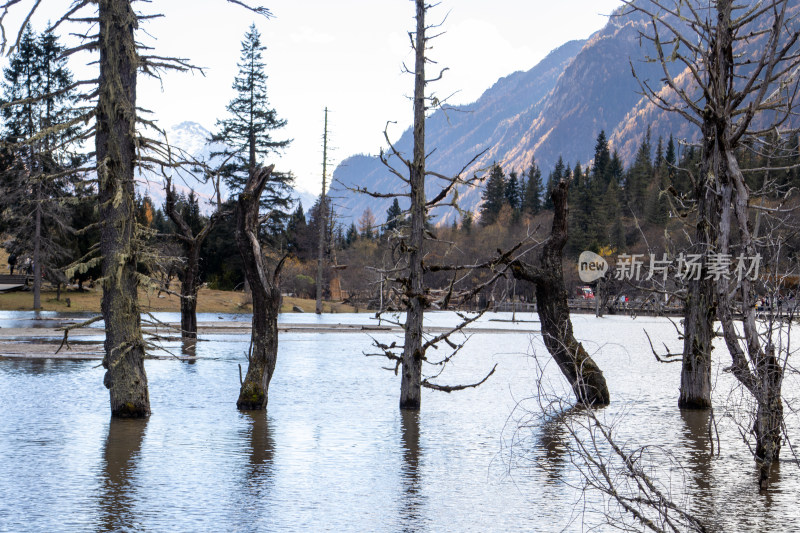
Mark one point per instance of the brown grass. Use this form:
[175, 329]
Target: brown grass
[208, 301]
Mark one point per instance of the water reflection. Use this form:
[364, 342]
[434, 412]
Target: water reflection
[262, 448]
[118, 486]
[553, 440]
[698, 434]
[411, 498]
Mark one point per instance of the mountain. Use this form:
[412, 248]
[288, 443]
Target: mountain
[556, 108]
[192, 139]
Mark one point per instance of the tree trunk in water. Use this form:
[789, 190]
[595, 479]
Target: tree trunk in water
[266, 296]
[698, 333]
[189, 289]
[116, 125]
[411, 378]
[583, 374]
[701, 308]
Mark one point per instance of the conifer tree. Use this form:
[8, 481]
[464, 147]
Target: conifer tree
[248, 132]
[494, 196]
[532, 200]
[36, 183]
[393, 216]
[512, 190]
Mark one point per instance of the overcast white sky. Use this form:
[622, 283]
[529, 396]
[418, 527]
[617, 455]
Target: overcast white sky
[346, 55]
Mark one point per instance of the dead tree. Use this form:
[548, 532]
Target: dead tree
[266, 293]
[583, 374]
[743, 64]
[410, 241]
[190, 283]
[322, 215]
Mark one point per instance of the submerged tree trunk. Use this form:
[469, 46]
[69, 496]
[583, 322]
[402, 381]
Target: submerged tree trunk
[583, 374]
[115, 143]
[266, 295]
[189, 289]
[700, 312]
[411, 379]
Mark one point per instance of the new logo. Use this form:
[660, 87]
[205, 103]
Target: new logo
[591, 267]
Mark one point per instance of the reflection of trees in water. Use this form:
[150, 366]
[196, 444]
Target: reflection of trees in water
[698, 434]
[254, 501]
[262, 446]
[411, 497]
[120, 456]
[553, 444]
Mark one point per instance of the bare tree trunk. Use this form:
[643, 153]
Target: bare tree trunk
[266, 295]
[322, 216]
[701, 306]
[115, 143]
[411, 381]
[583, 374]
[189, 289]
[37, 251]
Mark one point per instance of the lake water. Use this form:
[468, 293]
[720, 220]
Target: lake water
[334, 453]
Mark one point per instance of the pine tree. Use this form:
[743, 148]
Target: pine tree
[35, 186]
[393, 216]
[248, 132]
[296, 229]
[602, 158]
[532, 200]
[494, 196]
[512, 190]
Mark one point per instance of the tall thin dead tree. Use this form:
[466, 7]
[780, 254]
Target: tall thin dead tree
[410, 240]
[322, 215]
[265, 285]
[742, 61]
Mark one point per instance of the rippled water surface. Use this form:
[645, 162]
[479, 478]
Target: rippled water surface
[334, 453]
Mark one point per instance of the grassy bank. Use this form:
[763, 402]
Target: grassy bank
[208, 301]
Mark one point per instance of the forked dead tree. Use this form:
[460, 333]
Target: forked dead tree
[266, 293]
[742, 64]
[582, 372]
[192, 242]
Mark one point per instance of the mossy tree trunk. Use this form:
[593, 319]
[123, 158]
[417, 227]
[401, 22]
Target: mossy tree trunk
[584, 376]
[265, 291]
[115, 143]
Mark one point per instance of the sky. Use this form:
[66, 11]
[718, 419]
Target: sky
[346, 55]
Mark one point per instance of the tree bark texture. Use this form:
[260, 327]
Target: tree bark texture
[266, 295]
[411, 379]
[701, 305]
[115, 143]
[583, 374]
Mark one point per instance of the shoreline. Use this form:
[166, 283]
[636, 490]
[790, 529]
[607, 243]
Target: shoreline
[87, 343]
